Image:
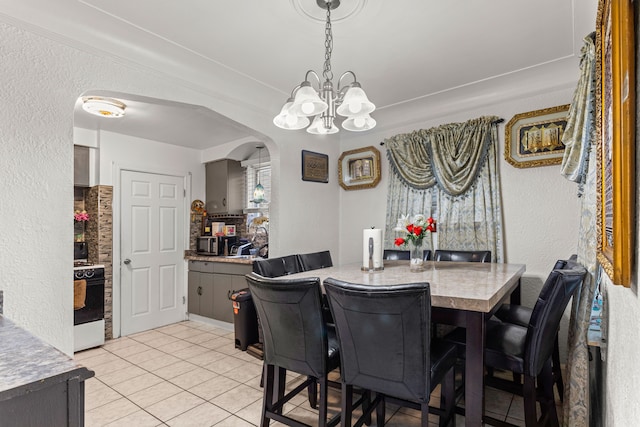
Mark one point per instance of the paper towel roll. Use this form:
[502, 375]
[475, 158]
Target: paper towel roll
[376, 234]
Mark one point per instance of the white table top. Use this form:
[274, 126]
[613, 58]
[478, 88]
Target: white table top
[460, 285]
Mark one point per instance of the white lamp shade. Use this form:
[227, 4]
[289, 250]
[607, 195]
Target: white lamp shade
[355, 103]
[317, 127]
[287, 120]
[307, 102]
[359, 123]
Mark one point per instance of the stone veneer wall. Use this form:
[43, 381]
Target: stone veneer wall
[99, 238]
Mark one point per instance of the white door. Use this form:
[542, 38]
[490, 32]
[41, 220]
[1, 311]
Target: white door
[152, 251]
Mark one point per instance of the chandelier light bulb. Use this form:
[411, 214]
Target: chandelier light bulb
[307, 107]
[355, 108]
[358, 122]
[291, 119]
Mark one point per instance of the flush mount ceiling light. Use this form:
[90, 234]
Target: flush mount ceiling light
[258, 192]
[349, 101]
[103, 107]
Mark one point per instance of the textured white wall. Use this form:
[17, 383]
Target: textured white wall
[41, 80]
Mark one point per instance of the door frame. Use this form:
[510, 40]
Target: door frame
[116, 292]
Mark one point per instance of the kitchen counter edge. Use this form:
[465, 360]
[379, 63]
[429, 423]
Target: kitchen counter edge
[193, 256]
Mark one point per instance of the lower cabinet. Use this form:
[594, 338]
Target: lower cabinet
[210, 286]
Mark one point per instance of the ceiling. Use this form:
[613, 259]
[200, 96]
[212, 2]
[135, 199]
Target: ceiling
[254, 53]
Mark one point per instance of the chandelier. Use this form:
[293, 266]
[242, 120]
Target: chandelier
[323, 103]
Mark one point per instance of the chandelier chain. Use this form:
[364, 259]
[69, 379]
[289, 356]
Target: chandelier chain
[328, 46]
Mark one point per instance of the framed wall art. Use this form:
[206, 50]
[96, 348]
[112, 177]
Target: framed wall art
[615, 130]
[315, 166]
[535, 138]
[358, 169]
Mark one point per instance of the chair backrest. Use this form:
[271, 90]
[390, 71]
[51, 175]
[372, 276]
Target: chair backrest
[547, 313]
[396, 254]
[384, 335]
[315, 260]
[276, 267]
[462, 256]
[290, 313]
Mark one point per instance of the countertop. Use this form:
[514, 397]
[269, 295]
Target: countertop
[27, 360]
[194, 256]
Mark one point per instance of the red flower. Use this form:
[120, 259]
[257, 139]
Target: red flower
[399, 241]
[410, 228]
[430, 220]
[417, 230]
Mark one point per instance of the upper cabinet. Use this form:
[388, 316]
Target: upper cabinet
[81, 166]
[224, 187]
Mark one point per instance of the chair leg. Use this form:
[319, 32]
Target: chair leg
[322, 410]
[346, 405]
[547, 398]
[267, 400]
[448, 398]
[281, 384]
[424, 414]
[381, 412]
[557, 369]
[312, 391]
[529, 396]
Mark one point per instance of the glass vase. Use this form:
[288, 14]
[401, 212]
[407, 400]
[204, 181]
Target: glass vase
[416, 262]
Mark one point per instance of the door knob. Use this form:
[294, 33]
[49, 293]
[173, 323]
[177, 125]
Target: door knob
[127, 261]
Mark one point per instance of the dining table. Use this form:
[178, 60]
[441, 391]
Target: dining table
[464, 294]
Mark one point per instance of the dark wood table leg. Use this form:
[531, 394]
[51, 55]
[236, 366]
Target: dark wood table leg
[515, 295]
[474, 369]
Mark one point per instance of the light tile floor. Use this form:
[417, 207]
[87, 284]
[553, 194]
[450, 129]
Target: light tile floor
[191, 374]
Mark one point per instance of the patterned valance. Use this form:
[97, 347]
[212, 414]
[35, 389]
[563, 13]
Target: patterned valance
[449, 155]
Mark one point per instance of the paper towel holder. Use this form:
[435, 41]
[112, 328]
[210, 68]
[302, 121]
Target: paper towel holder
[370, 268]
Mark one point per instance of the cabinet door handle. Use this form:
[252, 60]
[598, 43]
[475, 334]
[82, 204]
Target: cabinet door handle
[199, 290]
[224, 201]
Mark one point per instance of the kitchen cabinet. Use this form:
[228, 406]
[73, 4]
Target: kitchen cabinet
[200, 288]
[80, 166]
[224, 187]
[211, 284]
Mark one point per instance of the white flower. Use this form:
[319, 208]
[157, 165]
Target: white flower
[402, 223]
[419, 220]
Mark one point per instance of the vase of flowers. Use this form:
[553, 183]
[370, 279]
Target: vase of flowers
[414, 230]
[80, 218]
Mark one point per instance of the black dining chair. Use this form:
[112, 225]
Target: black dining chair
[296, 339]
[386, 348]
[397, 254]
[315, 260]
[462, 256]
[527, 350]
[277, 267]
[521, 315]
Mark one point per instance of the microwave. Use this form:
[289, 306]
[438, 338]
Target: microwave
[208, 245]
[214, 245]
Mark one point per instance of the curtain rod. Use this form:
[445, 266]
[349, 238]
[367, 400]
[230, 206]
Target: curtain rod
[496, 122]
